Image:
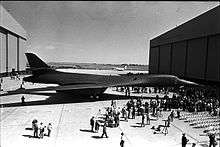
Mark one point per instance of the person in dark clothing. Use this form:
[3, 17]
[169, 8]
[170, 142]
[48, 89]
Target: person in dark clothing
[104, 132]
[122, 140]
[168, 121]
[1, 81]
[148, 119]
[212, 141]
[92, 122]
[35, 127]
[133, 112]
[172, 116]
[142, 120]
[22, 100]
[117, 120]
[184, 140]
[178, 113]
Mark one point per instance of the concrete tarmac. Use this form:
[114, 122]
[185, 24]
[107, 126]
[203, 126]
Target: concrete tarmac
[70, 122]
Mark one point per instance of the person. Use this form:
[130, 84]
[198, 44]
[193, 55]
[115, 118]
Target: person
[126, 115]
[129, 112]
[104, 131]
[117, 120]
[184, 140]
[92, 122]
[133, 112]
[35, 127]
[168, 121]
[142, 120]
[172, 116]
[122, 140]
[148, 119]
[33, 123]
[22, 99]
[212, 141]
[178, 113]
[112, 102]
[1, 81]
[158, 129]
[97, 126]
[41, 128]
[49, 128]
[123, 112]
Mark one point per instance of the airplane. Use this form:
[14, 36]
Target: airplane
[90, 84]
[120, 69]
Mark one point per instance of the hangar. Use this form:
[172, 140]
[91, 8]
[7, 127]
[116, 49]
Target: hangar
[12, 44]
[191, 50]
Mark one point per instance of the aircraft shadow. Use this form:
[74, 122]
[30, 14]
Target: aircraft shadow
[62, 98]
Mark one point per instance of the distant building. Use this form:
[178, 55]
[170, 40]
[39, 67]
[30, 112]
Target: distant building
[190, 51]
[12, 43]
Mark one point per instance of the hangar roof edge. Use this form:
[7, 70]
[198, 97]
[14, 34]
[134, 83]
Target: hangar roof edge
[205, 24]
[10, 24]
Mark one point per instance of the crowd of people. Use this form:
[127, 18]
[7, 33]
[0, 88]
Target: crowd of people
[40, 129]
[189, 100]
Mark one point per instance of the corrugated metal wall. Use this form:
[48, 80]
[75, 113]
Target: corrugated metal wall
[22, 58]
[12, 44]
[2, 52]
[187, 52]
[12, 49]
[165, 58]
[195, 58]
[12, 52]
[178, 58]
[154, 59]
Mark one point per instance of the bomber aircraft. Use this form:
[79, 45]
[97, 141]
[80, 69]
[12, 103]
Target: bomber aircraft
[91, 84]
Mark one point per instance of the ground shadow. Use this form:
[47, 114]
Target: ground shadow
[123, 120]
[63, 98]
[86, 130]
[144, 124]
[28, 128]
[97, 137]
[29, 136]
[204, 145]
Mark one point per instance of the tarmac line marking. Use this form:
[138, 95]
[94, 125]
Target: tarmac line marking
[125, 135]
[3, 117]
[185, 133]
[58, 128]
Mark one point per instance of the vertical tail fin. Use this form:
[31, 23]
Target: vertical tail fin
[35, 62]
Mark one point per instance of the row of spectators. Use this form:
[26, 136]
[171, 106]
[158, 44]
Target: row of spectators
[196, 100]
[187, 99]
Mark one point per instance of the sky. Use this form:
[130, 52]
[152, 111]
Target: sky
[107, 32]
